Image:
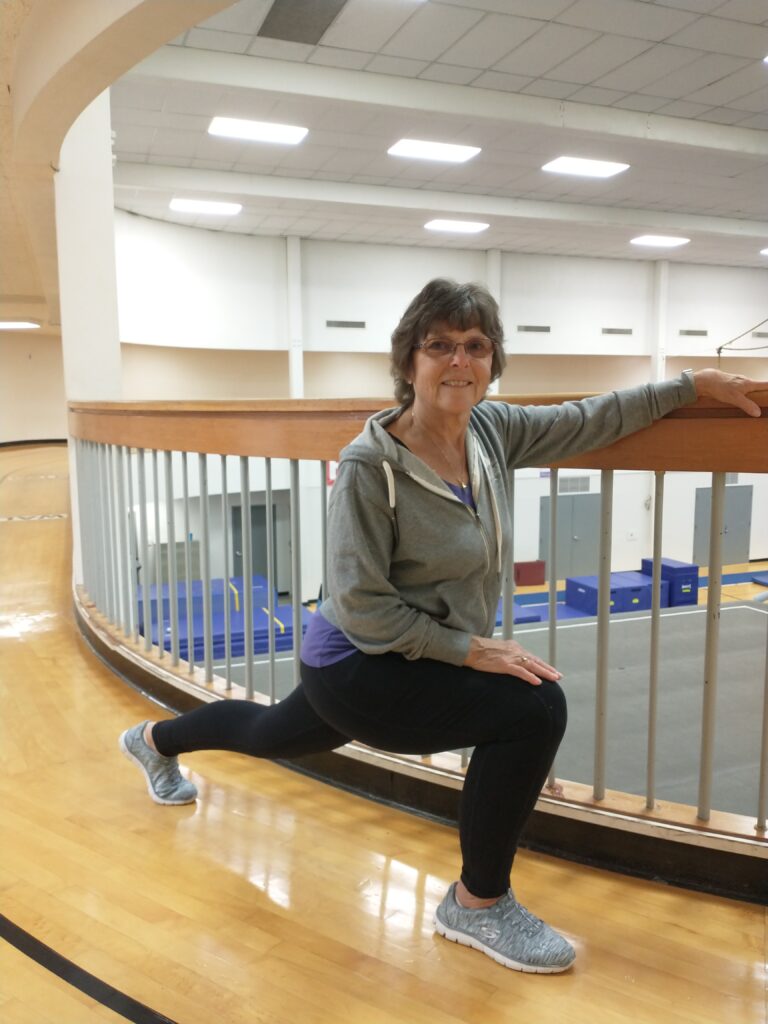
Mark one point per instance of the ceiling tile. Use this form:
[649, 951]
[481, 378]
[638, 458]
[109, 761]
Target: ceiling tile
[647, 104]
[550, 90]
[725, 115]
[650, 66]
[431, 31]
[133, 139]
[337, 58]
[143, 94]
[683, 108]
[748, 80]
[279, 49]
[497, 80]
[208, 39]
[172, 142]
[756, 102]
[490, 40]
[367, 24]
[545, 9]
[627, 18]
[701, 72]
[549, 47]
[598, 58]
[697, 6]
[753, 11]
[603, 97]
[449, 73]
[397, 66]
[730, 37]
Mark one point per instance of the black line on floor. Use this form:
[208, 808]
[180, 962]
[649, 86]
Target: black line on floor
[80, 979]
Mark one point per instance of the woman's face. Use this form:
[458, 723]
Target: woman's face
[451, 384]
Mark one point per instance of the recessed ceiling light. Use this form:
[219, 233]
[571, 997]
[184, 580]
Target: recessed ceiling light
[420, 150]
[764, 252]
[661, 241]
[584, 168]
[205, 206]
[18, 325]
[464, 227]
[257, 131]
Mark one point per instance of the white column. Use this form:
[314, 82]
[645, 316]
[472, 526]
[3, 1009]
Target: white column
[295, 318]
[659, 320]
[85, 240]
[493, 283]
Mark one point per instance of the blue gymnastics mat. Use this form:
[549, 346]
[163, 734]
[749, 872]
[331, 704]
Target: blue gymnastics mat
[761, 578]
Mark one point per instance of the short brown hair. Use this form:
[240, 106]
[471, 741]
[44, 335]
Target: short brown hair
[460, 306]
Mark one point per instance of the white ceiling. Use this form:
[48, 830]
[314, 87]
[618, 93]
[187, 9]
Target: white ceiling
[676, 88]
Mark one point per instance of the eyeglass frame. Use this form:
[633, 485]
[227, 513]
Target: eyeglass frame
[449, 355]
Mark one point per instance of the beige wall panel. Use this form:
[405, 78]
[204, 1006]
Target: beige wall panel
[186, 374]
[347, 375]
[32, 400]
[561, 373]
[749, 366]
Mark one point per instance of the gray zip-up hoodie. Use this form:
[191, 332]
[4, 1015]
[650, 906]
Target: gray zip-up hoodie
[413, 569]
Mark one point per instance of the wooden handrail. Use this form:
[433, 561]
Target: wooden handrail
[704, 437]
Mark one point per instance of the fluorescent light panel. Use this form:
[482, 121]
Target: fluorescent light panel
[660, 241]
[463, 227]
[764, 252]
[257, 131]
[584, 168]
[443, 151]
[205, 206]
[18, 325]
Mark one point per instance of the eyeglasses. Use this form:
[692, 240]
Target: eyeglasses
[444, 348]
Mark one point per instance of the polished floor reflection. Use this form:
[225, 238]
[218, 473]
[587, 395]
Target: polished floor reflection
[276, 898]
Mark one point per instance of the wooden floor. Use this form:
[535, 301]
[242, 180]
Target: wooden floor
[277, 899]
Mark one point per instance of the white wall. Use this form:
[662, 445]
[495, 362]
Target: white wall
[180, 286]
[370, 283]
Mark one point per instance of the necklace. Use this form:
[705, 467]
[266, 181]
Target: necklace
[441, 452]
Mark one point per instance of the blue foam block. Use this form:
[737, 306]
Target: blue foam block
[761, 578]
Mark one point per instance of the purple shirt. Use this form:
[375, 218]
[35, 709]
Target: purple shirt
[324, 644]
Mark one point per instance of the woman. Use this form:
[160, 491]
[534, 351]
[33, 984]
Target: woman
[401, 654]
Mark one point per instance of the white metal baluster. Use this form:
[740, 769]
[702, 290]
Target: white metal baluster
[173, 583]
[188, 563]
[271, 586]
[226, 588]
[245, 521]
[712, 644]
[158, 561]
[653, 684]
[205, 568]
[603, 621]
[552, 581]
[146, 583]
[296, 569]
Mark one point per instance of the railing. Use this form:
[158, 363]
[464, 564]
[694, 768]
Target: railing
[151, 473]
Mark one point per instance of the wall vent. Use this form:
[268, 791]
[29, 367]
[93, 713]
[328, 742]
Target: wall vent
[534, 328]
[345, 323]
[617, 330]
[760, 334]
[572, 484]
[694, 334]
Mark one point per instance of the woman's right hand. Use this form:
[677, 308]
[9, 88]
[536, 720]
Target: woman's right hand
[507, 657]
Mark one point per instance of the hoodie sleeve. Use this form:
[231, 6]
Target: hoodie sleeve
[536, 435]
[364, 603]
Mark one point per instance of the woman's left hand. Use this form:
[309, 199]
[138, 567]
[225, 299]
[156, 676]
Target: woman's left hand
[730, 388]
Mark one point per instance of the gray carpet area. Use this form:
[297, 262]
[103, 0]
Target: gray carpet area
[740, 695]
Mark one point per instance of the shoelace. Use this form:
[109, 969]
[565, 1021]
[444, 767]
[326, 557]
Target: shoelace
[529, 923]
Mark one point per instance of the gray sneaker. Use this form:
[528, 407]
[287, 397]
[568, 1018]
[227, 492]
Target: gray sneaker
[507, 932]
[165, 782]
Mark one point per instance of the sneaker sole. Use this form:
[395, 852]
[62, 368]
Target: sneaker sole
[515, 965]
[158, 799]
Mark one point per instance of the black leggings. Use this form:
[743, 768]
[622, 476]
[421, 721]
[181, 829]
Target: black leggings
[411, 707]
